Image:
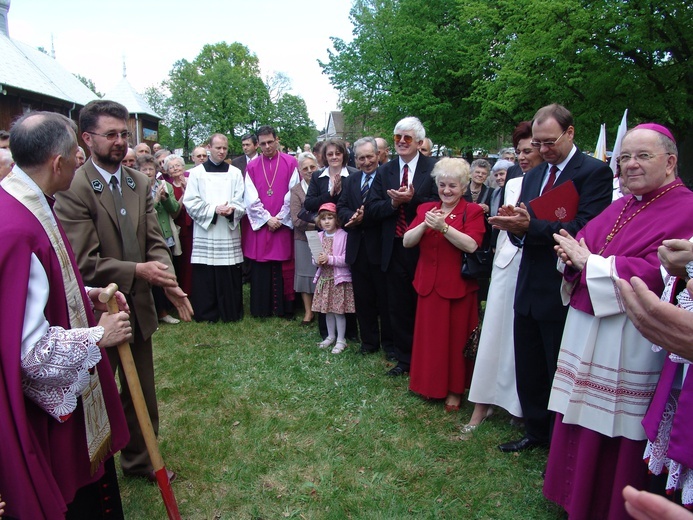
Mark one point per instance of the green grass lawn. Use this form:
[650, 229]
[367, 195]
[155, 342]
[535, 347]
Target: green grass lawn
[259, 423]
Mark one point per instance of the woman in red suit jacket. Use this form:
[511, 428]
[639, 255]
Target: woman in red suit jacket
[446, 312]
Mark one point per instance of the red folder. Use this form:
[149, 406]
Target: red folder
[557, 204]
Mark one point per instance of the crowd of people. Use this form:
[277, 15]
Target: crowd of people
[560, 335]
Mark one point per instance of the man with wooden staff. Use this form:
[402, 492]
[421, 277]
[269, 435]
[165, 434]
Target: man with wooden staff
[61, 416]
[110, 220]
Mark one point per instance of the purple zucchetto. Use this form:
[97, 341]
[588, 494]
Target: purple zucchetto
[657, 128]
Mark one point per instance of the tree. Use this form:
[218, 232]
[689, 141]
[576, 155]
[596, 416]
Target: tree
[294, 126]
[186, 104]
[277, 85]
[473, 69]
[89, 84]
[400, 63]
[233, 95]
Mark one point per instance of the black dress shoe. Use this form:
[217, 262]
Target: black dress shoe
[525, 443]
[397, 370]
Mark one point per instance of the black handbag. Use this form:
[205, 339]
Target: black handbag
[479, 264]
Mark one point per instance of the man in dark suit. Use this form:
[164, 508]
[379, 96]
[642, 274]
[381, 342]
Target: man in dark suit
[109, 217]
[397, 190]
[539, 312]
[249, 145]
[363, 251]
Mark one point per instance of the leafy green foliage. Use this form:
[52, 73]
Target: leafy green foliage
[85, 81]
[472, 69]
[221, 90]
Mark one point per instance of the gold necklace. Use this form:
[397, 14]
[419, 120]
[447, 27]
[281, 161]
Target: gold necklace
[618, 227]
[270, 184]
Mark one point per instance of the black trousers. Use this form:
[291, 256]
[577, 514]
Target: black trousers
[402, 298]
[536, 354]
[217, 292]
[370, 296]
[267, 290]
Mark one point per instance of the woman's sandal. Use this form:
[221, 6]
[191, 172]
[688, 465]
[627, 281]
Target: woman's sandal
[469, 428]
[339, 347]
[326, 343]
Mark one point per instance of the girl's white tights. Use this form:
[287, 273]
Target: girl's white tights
[336, 321]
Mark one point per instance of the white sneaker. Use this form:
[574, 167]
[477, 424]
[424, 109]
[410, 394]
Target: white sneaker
[169, 319]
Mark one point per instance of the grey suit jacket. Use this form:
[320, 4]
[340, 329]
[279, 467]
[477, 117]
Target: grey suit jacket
[87, 212]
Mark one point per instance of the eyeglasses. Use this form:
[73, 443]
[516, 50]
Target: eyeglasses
[525, 151]
[112, 136]
[267, 143]
[200, 155]
[548, 144]
[406, 138]
[640, 158]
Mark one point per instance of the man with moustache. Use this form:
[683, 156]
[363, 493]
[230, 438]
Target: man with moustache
[267, 235]
[539, 312]
[109, 217]
[397, 190]
[363, 252]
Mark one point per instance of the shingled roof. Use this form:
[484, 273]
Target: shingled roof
[125, 94]
[26, 68]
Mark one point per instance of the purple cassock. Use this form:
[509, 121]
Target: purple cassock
[272, 179]
[607, 374]
[42, 462]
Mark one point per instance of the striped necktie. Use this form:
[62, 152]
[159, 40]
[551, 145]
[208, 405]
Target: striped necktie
[365, 187]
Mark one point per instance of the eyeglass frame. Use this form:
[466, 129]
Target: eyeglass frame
[548, 144]
[408, 139]
[112, 136]
[642, 157]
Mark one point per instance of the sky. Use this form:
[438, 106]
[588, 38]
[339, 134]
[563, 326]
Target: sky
[93, 38]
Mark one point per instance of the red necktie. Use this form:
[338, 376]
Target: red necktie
[552, 179]
[401, 226]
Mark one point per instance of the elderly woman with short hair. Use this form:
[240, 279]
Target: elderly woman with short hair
[304, 268]
[446, 312]
[175, 166]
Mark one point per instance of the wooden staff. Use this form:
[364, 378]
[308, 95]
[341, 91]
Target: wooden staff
[127, 364]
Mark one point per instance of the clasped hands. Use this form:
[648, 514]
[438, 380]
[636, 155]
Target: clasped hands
[224, 209]
[323, 259]
[402, 195]
[435, 219]
[513, 219]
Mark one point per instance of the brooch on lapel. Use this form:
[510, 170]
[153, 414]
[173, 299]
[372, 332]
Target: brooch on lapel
[97, 185]
[130, 182]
